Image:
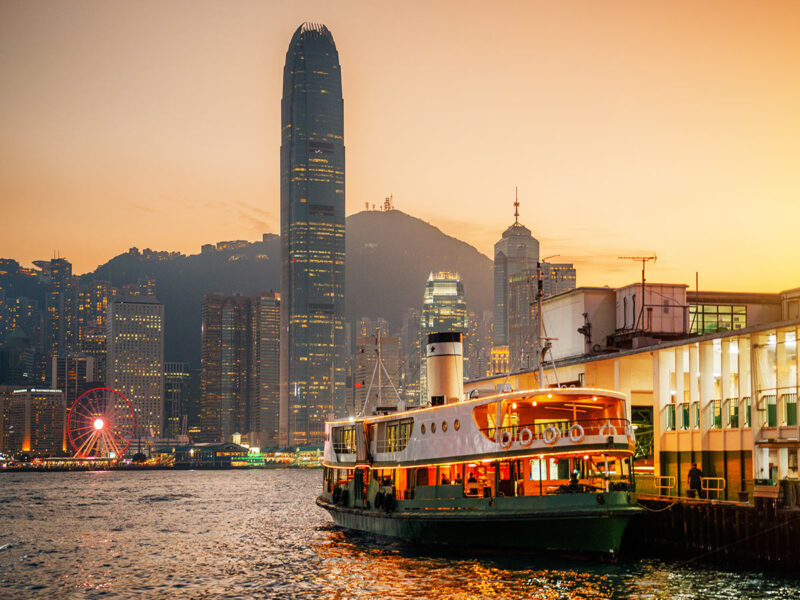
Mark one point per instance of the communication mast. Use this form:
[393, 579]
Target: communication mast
[644, 260]
[388, 203]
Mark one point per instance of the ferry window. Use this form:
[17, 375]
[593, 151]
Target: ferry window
[457, 424]
[444, 425]
[344, 440]
[422, 429]
[433, 427]
[395, 435]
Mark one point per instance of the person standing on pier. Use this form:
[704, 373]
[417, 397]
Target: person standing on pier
[695, 475]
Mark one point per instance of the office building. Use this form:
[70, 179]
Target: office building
[135, 363]
[312, 237]
[240, 368]
[516, 251]
[74, 374]
[61, 320]
[444, 309]
[176, 390]
[36, 422]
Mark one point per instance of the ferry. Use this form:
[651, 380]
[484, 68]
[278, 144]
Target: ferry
[547, 470]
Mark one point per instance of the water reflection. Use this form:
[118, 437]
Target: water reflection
[257, 534]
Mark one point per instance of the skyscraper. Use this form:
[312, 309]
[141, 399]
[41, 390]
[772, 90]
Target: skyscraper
[62, 317]
[240, 367]
[444, 309]
[517, 250]
[135, 366]
[312, 237]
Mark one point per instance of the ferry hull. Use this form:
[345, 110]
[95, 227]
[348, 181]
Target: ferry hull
[584, 532]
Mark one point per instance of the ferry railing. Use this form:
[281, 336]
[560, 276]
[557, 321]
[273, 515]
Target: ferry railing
[550, 432]
[713, 485]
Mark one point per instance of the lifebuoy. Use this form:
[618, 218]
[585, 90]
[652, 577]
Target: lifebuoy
[525, 437]
[550, 435]
[505, 439]
[576, 433]
[608, 429]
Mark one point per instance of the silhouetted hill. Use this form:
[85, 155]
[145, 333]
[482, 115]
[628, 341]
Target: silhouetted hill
[389, 257]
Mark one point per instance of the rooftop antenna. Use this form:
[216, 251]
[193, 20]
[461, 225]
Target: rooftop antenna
[644, 260]
[516, 205]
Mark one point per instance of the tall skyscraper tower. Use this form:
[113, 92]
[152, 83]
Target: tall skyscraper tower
[312, 237]
[135, 365]
[517, 250]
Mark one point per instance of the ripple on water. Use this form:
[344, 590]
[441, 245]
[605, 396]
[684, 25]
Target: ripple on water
[257, 534]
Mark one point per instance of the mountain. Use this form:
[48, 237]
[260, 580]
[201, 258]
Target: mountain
[389, 257]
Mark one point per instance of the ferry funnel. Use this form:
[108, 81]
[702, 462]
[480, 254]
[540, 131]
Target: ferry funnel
[445, 362]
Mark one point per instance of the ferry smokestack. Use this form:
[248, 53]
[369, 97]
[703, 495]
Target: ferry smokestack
[445, 362]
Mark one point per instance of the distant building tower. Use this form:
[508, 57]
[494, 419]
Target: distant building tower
[312, 237]
[240, 368]
[517, 250]
[135, 365]
[444, 309]
[557, 278]
[176, 389]
[36, 422]
[74, 374]
[61, 311]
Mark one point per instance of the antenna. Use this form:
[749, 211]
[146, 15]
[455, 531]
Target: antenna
[644, 260]
[516, 205]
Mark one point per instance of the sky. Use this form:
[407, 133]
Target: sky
[629, 128]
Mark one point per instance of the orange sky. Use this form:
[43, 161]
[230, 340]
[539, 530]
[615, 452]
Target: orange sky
[629, 127]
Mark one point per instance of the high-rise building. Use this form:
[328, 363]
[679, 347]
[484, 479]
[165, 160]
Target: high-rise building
[517, 250]
[312, 237]
[61, 300]
[36, 422]
[176, 388]
[380, 383]
[135, 364]
[444, 309]
[74, 374]
[240, 368]
[557, 278]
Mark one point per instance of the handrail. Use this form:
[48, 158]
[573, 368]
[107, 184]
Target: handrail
[664, 482]
[713, 484]
[605, 427]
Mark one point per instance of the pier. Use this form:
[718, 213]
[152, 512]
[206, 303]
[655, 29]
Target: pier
[716, 532]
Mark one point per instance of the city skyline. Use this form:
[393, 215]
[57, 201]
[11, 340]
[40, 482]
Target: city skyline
[690, 116]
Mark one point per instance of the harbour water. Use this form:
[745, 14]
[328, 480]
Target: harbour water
[258, 534]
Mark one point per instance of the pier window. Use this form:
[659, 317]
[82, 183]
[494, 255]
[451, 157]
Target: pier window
[733, 412]
[747, 411]
[715, 410]
[685, 412]
[669, 417]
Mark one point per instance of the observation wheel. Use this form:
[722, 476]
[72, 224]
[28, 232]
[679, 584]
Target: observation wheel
[100, 424]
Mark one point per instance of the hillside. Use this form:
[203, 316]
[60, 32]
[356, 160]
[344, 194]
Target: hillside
[389, 257]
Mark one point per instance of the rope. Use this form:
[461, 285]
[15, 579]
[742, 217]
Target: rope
[658, 510]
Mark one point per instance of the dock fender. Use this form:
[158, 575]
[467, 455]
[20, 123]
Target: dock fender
[506, 439]
[608, 429]
[525, 437]
[576, 433]
[550, 435]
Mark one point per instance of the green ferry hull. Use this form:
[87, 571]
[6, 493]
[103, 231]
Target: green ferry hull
[562, 528]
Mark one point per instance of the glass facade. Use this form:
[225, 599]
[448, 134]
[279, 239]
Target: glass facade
[312, 238]
[711, 318]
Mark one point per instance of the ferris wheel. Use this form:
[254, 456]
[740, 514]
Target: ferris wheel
[100, 424]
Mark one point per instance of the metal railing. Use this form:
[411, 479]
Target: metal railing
[712, 485]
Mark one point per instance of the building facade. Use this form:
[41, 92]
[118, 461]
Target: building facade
[240, 368]
[516, 251]
[36, 422]
[135, 362]
[312, 237]
[444, 309]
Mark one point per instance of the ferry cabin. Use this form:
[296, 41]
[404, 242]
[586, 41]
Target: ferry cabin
[519, 444]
